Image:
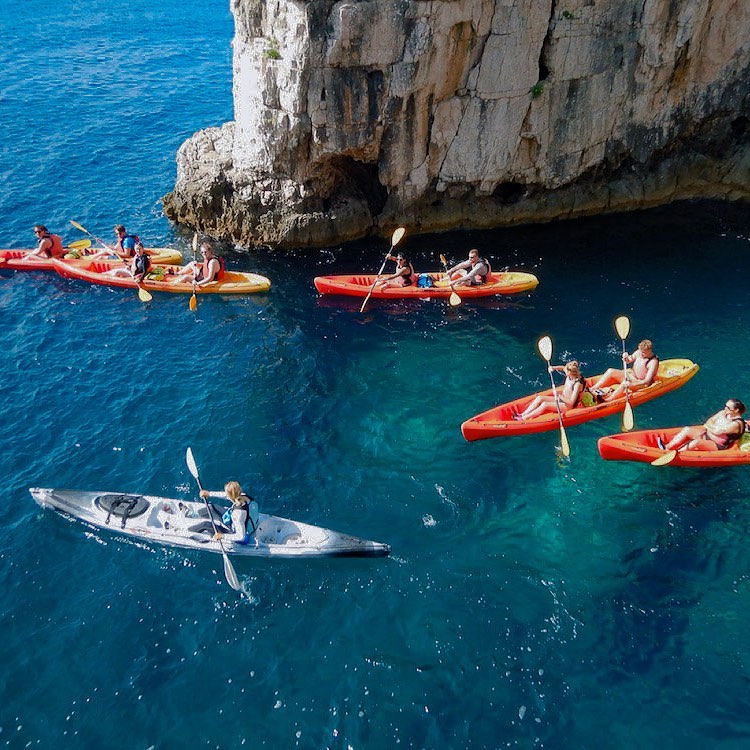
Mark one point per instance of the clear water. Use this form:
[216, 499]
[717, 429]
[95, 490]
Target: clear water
[529, 601]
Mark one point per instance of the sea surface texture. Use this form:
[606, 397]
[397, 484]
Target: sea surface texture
[529, 601]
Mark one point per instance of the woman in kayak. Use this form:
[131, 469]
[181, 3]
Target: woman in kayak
[719, 432]
[645, 365]
[569, 394]
[238, 523]
[202, 272]
[137, 269]
[404, 275]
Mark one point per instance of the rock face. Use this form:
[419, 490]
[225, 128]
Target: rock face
[353, 117]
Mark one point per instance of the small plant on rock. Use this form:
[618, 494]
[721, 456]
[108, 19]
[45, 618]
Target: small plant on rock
[537, 89]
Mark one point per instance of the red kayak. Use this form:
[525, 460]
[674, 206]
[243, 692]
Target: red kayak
[510, 282]
[19, 260]
[642, 446]
[499, 422]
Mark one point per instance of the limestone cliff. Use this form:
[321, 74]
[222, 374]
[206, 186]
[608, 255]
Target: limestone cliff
[352, 117]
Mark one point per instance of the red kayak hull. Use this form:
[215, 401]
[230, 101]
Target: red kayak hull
[642, 446]
[499, 422]
[358, 285]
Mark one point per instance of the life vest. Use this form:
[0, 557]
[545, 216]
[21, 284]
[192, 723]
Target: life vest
[56, 250]
[130, 250]
[250, 509]
[142, 264]
[584, 390]
[204, 273]
[410, 278]
[727, 441]
[482, 278]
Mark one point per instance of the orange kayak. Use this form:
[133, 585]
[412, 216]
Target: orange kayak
[511, 282]
[642, 446]
[18, 259]
[499, 422]
[95, 271]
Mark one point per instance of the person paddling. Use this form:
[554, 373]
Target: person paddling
[404, 274]
[138, 267]
[718, 433]
[238, 523]
[645, 366]
[474, 271]
[203, 272]
[569, 394]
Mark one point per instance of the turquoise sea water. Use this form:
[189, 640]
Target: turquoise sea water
[528, 602]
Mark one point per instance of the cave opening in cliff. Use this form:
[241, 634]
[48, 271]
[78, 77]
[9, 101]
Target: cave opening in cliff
[508, 193]
[357, 178]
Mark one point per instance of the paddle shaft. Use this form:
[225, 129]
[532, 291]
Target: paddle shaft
[380, 273]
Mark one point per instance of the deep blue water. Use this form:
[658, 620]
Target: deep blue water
[528, 602]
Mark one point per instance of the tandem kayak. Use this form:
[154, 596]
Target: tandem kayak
[511, 282]
[18, 260]
[499, 422]
[95, 271]
[642, 446]
[168, 521]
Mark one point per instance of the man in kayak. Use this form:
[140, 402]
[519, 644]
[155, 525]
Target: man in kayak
[48, 245]
[403, 276]
[238, 523]
[569, 395]
[719, 432]
[474, 271]
[203, 272]
[645, 366]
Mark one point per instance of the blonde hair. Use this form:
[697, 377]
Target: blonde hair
[646, 345]
[573, 367]
[233, 490]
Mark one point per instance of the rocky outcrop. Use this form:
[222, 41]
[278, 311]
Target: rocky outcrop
[354, 117]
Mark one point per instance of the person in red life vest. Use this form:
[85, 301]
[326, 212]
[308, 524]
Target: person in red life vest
[404, 275]
[49, 245]
[208, 270]
[475, 271]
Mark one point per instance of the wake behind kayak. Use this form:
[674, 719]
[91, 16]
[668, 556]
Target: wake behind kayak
[171, 522]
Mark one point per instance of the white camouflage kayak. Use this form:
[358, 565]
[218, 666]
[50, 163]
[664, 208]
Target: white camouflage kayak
[173, 522]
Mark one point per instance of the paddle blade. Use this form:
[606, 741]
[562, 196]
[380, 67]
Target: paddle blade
[230, 574]
[144, 295]
[397, 236]
[564, 444]
[79, 244]
[454, 300]
[195, 244]
[443, 260]
[622, 326]
[665, 459]
[545, 347]
[193, 302]
[627, 418]
[192, 466]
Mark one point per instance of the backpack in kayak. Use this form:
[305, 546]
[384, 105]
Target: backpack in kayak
[122, 506]
[425, 281]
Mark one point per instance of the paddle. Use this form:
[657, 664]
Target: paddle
[454, 300]
[622, 326]
[545, 349]
[395, 239]
[229, 573]
[79, 245]
[143, 294]
[194, 299]
[665, 458]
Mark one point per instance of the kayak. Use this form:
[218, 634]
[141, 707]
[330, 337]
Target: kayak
[18, 260]
[642, 446]
[95, 271]
[511, 282]
[499, 422]
[168, 521]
